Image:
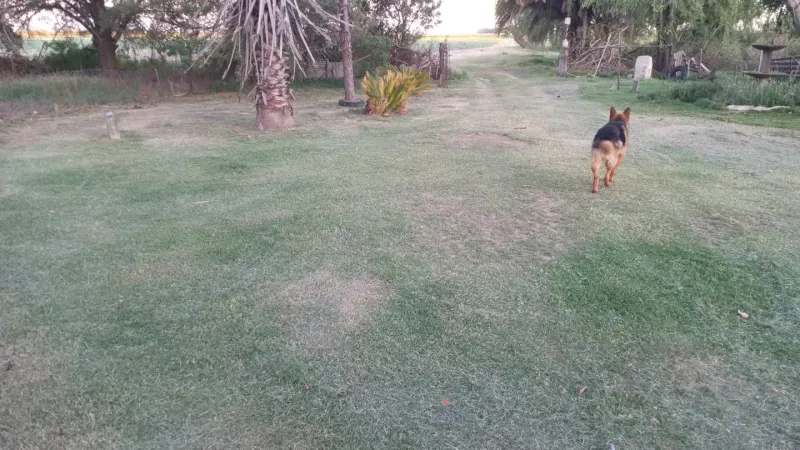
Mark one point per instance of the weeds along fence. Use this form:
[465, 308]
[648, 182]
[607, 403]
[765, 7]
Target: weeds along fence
[49, 93]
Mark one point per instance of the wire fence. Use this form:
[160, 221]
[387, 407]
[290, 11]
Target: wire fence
[28, 88]
[33, 95]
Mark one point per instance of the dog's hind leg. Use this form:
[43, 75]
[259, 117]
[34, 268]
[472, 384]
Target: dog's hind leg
[614, 170]
[610, 164]
[596, 163]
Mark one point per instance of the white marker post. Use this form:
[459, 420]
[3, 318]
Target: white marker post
[111, 126]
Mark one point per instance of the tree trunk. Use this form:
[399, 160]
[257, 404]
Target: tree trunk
[794, 8]
[347, 53]
[585, 26]
[273, 94]
[106, 46]
[664, 36]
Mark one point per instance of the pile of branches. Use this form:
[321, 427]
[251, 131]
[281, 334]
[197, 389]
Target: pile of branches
[425, 59]
[601, 55]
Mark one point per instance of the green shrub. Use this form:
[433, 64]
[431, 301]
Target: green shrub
[67, 54]
[229, 85]
[650, 96]
[707, 103]
[320, 83]
[135, 64]
[738, 91]
[389, 92]
[538, 60]
[370, 52]
[458, 75]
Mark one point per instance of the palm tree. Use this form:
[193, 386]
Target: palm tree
[263, 33]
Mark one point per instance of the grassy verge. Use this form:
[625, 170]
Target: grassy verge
[703, 99]
[66, 90]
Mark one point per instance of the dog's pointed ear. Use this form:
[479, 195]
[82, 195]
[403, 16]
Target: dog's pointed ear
[627, 113]
[612, 114]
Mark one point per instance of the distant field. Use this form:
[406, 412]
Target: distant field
[33, 46]
[463, 41]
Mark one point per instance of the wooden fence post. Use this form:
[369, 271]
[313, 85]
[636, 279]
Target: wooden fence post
[444, 64]
[563, 56]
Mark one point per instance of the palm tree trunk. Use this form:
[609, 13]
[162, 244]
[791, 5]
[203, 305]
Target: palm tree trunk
[347, 53]
[273, 94]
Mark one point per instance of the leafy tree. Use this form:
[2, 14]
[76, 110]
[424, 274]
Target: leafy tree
[108, 21]
[538, 21]
[404, 21]
[668, 19]
[68, 54]
[794, 8]
[10, 40]
[790, 7]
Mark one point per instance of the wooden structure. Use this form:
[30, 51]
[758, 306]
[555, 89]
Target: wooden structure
[790, 65]
[444, 64]
[563, 55]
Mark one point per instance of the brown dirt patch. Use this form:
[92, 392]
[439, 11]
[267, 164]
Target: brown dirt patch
[749, 148]
[454, 227]
[20, 365]
[486, 139]
[693, 373]
[715, 226]
[323, 307]
[26, 376]
[163, 127]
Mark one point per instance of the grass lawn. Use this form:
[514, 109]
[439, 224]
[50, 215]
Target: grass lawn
[438, 280]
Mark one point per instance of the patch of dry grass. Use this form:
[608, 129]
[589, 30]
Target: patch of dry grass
[323, 307]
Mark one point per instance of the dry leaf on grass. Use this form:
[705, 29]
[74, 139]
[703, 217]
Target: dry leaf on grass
[743, 314]
[583, 389]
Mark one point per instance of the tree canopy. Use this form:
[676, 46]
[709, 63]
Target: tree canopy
[108, 21]
[404, 21]
[664, 20]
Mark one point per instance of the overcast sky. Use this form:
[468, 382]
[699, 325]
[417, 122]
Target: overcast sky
[465, 16]
[458, 17]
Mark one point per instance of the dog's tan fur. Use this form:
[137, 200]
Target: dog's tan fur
[609, 153]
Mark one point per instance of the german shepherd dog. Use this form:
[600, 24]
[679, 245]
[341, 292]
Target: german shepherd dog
[609, 146]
